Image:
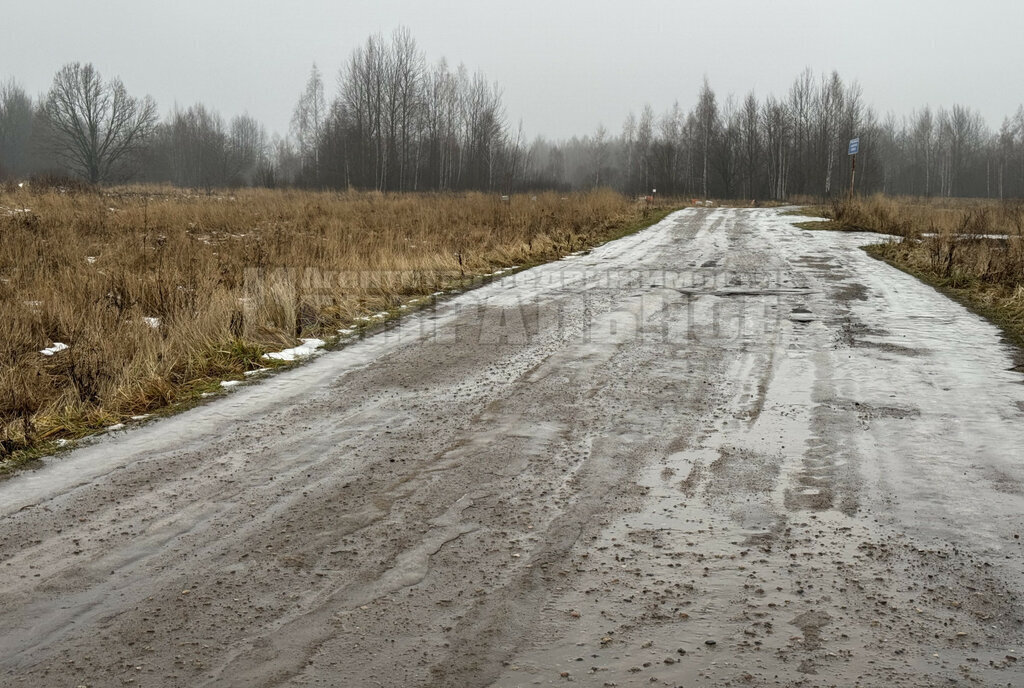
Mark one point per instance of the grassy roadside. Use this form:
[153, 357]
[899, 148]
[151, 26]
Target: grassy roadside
[160, 295]
[969, 249]
[818, 212]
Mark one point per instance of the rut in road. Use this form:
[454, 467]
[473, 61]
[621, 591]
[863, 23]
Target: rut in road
[722, 449]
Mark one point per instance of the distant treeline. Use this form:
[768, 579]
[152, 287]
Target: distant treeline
[399, 123]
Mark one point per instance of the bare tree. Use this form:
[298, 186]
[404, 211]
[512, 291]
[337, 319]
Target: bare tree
[404, 84]
[1018, 137]
[707, 118]
[483, 128]
[308, 121]
[644, 138]
[16, 119]
[960, 132]
[750, 148]
[599, 153]
[668, 153]
[777, 136]
[198, 148]
[801, 101]
[828, 111]
[440, 121]
[725, 146]
[247, 150]
[362, 91]
[628, 139]
[923, 147]
[96, 125]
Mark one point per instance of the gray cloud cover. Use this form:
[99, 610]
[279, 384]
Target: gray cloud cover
[564, 67]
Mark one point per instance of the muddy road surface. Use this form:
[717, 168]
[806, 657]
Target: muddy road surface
[723, 451]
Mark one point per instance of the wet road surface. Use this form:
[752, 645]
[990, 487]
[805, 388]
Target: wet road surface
[723, 451]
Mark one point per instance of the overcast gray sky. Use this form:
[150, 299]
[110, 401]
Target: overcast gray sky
[564, 66]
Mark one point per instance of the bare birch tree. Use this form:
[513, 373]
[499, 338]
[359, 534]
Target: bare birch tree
[707, 118]
[308, 121]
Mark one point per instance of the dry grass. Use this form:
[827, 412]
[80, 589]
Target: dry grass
[909, 216]
[148, 286]
[972, 249]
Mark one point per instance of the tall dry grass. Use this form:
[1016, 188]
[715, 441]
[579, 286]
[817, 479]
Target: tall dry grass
[972, 248]
[911, 217]
[148, 286]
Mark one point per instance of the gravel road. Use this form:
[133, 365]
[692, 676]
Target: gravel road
[722, 451]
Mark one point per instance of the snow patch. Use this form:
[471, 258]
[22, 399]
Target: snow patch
[307, 348]
[51, 350]
[230, 383]
[152, 322]
[1004, 237]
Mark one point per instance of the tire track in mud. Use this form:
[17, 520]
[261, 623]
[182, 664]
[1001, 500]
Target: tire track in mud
[273, 546]
[606, 412]
[768, 553]
[601, 487]
[722, 450]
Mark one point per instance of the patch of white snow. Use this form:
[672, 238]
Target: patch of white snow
[307, 348]
[51, 350]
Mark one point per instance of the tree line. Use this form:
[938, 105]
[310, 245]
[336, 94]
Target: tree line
[796, 145]
[397, 122]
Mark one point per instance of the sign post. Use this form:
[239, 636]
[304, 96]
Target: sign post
[852, 152]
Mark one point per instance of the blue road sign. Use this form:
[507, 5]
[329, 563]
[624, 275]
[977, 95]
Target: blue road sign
[854, 146]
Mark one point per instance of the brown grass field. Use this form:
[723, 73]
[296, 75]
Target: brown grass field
[148, 288]
[971, 249]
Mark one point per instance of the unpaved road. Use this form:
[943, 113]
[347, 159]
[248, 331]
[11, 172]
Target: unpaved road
[723, 451]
